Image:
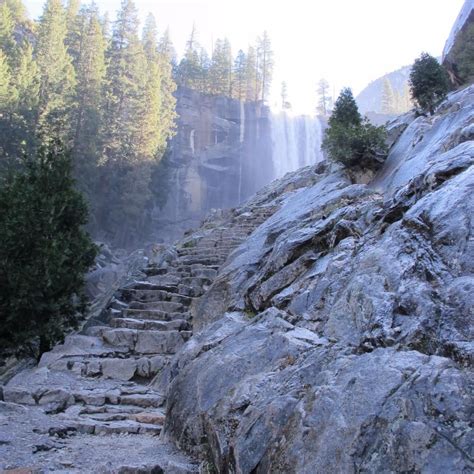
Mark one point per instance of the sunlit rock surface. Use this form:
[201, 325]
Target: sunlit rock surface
[338, 336]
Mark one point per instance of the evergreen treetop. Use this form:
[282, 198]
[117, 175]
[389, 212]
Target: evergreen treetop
[345, 113]
[428, 82]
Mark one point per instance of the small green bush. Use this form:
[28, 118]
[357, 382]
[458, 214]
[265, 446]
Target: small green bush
[428, 82]
[351, 139]
[44, 252]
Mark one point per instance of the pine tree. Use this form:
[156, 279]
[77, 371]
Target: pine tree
[5, 106]
[17, 10]
[44, 252]
[126, 134]
[220, 72]
[323, 95]
[26, 82]
[252, 78]
[7, 25]
[90, 73]
[388, 105]
[57, 75]
[75, 24]
[189, 70]
[265, 63]
[239, 76]
[346, 112]
[5, 83]
[428, 82]
[151, 140]
[352, 141]
[167, 59]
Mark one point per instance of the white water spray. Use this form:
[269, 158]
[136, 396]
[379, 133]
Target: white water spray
[296, 142]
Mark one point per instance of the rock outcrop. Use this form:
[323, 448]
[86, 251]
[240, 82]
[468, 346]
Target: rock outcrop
[459, 47]
[221, 155]
[338, 336]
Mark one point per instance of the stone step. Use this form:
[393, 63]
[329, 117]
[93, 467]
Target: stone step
[177, 324]
[190, 260]
[202, 252]
[153, 416]
[115, 368]
[147, 342]
[146, 285]
[156, 295]
[150, 314]
[101, 428]
[169, 306]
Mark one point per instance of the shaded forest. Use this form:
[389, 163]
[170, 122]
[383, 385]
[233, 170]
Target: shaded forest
[106, 91]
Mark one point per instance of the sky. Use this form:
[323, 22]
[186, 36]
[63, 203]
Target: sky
[348, 42]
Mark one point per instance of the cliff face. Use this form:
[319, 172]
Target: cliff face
[219, 157]
[459, 49]
[338, 336]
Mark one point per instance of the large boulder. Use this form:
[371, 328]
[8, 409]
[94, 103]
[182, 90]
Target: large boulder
[338, 337]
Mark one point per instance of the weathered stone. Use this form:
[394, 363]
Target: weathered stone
[119, 369]
[158, 342]
[338, 337]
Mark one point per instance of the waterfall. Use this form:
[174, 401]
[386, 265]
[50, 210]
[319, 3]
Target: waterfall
[296, 142]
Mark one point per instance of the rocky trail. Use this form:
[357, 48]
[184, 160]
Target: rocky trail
[91, 404]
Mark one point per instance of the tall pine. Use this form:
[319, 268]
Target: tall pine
[57, 75]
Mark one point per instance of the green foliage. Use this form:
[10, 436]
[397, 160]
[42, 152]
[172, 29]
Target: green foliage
[428, 82]
[239, 76]
[57, 75]
[44, 251]
[346, 112]
[109, 98]
[351, 140]
[247, 77]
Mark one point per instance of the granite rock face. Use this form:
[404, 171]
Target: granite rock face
[458, 47]
[338, 336]
[220, 156]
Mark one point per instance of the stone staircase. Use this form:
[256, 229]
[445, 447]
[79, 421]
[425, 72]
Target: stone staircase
[98, 382]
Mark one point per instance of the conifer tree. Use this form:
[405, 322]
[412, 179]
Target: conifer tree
[7, 25]
[253, 84]
[5, 82]
[189, 70]
[388, 98]
[126, 136]
[265, 64]
[428, 82]
[57, 75]
[26, 83]
[167, 60]
[74, 24]
[5, 106]
[323, 95]
[239, 76]
[90, 74]
[351, 140]
[220, 71]
[17, 10]
[44, 252]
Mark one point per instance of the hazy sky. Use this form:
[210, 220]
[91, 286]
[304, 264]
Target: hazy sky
[349, 42]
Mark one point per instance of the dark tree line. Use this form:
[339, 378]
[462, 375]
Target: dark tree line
[247, 76]
[103, 91]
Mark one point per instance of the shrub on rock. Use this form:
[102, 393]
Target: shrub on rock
[428, 83]
[351, 139]
[44, 251]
